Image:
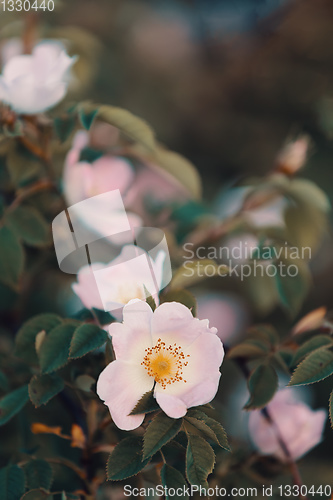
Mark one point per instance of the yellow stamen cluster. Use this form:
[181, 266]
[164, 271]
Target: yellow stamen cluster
[164, 363]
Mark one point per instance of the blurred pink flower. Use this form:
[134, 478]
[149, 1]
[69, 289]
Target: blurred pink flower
[111, 286]
[167, 350]
[227, 312]
[299, 426]
[36, 82]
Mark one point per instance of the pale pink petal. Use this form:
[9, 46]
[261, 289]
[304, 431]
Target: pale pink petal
[111, 173]
[86, 287]
[137, 315]
[173, 320]
[120, 386]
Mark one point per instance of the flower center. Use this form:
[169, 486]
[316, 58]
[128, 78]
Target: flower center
[165, 363]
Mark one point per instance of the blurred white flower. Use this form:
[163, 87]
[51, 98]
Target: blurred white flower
[36, 82]
[110, 286]
[299, 426]
[293, 156]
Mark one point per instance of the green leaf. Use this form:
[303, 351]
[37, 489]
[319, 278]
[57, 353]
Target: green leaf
[311, 345]
[331, 409]
[248, 350]
[192, 272]
[38, 474]
[12, 403]
[4, 385]
[42, 388]
[64, 126]
[54, 351]
[161, 430]
[11, 483]
[149, 299]
[86, 338]
[22, 166]
[263, 384]
[132, 126]
[264, 332]
[26, 336]
[87, 116]
[315, 367]
[184, 297]
[126, 459]
[293, 289]
[211, 427]
[172, 478]
[11, 257]
[200, 459]
[37, 494]
[181, 169]
[146, 404]
[29, 225]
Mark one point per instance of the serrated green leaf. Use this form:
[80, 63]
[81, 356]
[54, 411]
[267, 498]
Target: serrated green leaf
[146, 404]
[126, 459]
[86, 338]
[26, 336]
[263, 384]
[247, 350]
[42, 388]
[11, 257]
[217, 432]
[11, 483]
[184, 297]
[29, 225]
[193, 272]
[311, 345]
[22, 166]
[172, 478]
[264, 332]
[54, 351]
[315, 367]
[38, 474]
[12, 403]
[200, 460]
[159, 432]
[293, 289]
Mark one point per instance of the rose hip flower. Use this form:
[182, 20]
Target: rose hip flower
[169, 351]
[121, 280]
[36, 82]
[295, 422]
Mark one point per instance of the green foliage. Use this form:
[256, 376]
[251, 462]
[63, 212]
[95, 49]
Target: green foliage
[315, 367]
[54, 351]
[311, 345]
[42, 388]
[263, 384]
[23, 167]
[26, 336]
[146, 404]
[86, 338]
[12, 403]
[37, 494]
[38, 474]
[293, 289]
[172, 478]
[200, 460]
[249, 349]
[159, 432]
[126, 459]
[64, 126]
[330, 407]
[212, 429]
[12, 483]
[192, 272]
[87, 116]
[11, 257]
[29, 226]
[184, 297]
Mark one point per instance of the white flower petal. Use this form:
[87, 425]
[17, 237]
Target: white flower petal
[121, 385]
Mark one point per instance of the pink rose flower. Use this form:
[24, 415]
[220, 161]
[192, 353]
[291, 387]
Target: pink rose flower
[167, 350]
[36, 82]
[299, 426]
